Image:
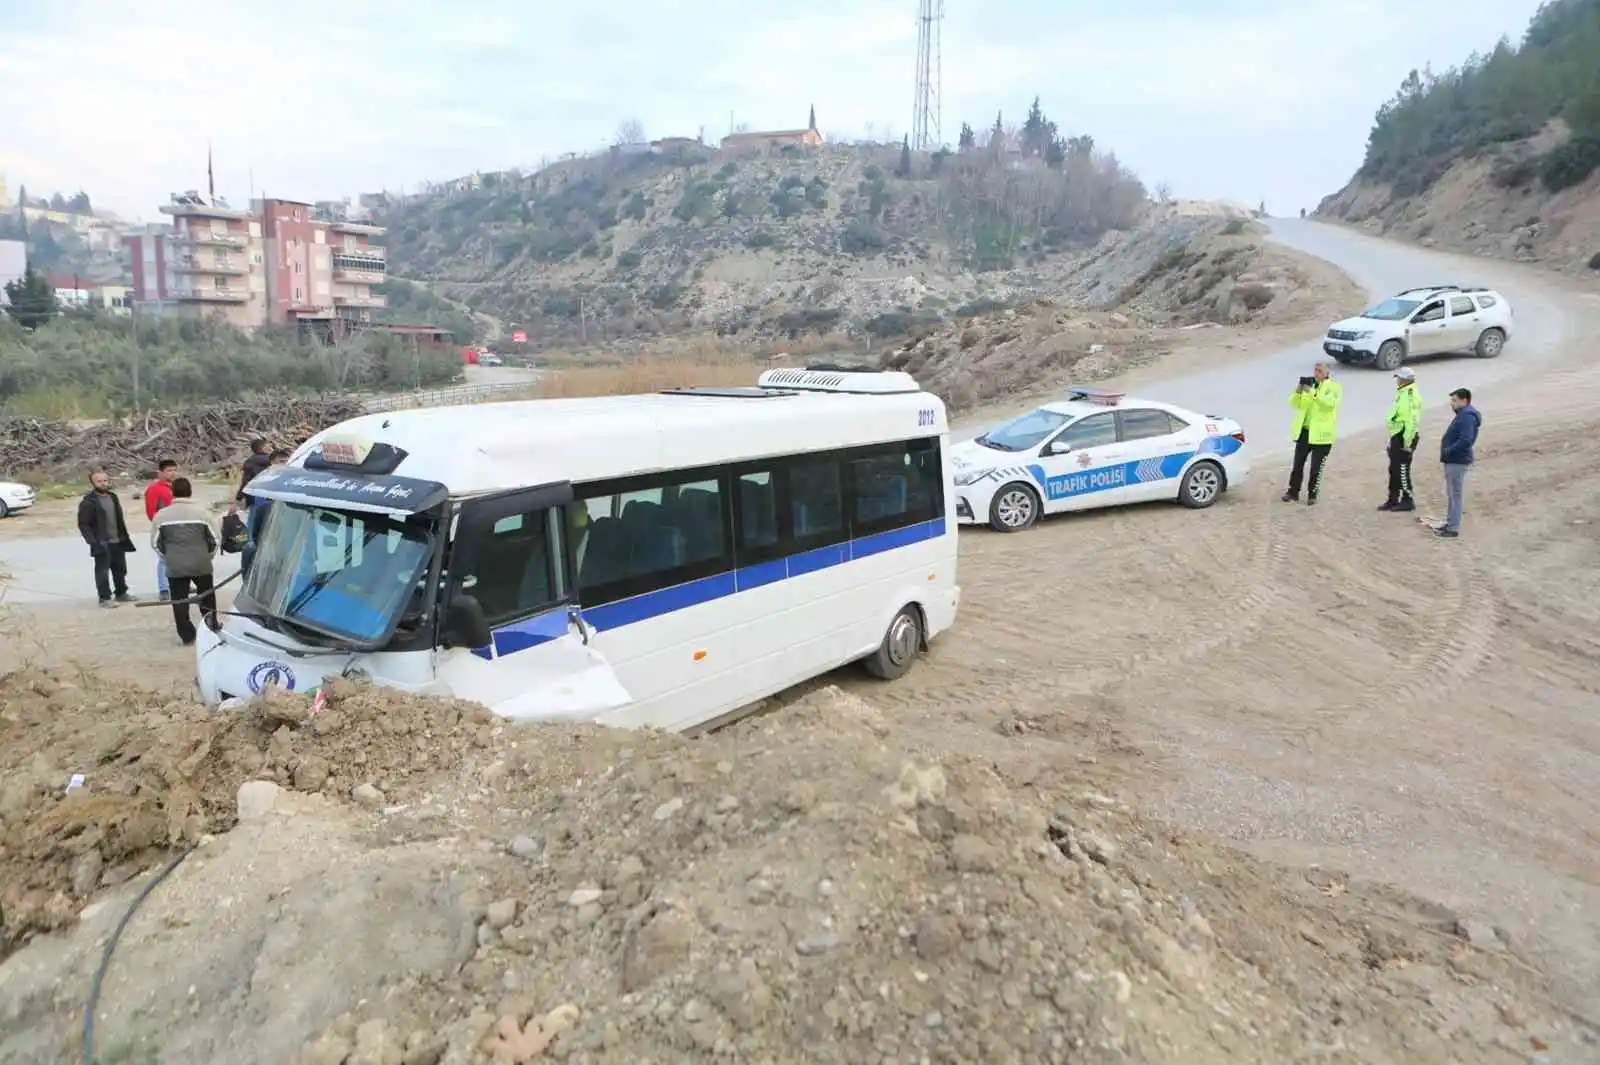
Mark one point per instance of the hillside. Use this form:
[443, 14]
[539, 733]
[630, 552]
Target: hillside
[1500, 156]
[773, 243]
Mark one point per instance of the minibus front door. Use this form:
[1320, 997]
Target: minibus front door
[511, 636]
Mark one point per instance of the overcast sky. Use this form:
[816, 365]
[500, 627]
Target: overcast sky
[314, 99]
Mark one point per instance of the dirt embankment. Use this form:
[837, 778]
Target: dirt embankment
[412, 883]
[1206, 290]
[1491, 205]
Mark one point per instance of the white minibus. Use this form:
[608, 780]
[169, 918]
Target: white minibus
[652, 560]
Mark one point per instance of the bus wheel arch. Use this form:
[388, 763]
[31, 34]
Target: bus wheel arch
[905, 637]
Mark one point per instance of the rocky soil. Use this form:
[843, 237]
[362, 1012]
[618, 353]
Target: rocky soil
[389, 881]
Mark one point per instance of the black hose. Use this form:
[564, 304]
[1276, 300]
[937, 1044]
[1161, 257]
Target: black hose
[111, 945]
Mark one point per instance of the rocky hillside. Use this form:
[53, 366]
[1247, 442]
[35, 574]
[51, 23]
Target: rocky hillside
[775, 243]
[1500, 156]
[1134, 297]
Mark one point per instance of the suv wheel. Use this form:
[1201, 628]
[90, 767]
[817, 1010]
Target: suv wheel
[1391, 353]
[1490, 343]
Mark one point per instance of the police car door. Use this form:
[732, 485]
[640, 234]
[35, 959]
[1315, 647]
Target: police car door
[1084, 465]
[1151, 438]
[511, 564]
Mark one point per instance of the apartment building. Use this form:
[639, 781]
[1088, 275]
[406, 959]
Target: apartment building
[212, 262]
[279, 262]
[320, 270]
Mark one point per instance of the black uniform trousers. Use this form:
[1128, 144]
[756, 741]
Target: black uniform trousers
[1318, 454]
[1400, 467]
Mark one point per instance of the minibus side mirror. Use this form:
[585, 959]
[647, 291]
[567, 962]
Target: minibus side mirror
[465, 624]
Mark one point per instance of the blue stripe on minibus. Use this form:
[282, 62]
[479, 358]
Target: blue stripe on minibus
[531, 632]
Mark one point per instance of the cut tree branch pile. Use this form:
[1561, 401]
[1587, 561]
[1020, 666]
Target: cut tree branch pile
[200, 439]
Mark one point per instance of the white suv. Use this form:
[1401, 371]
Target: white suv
[1437, 320]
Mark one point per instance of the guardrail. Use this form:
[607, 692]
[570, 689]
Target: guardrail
[458, 396]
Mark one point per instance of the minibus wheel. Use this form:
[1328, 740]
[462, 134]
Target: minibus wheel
[900, 646]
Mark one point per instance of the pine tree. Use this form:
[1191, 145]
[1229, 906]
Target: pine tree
[968, 140]
[32, 299]
[811, 123]
[1033, 130]
[904, 169]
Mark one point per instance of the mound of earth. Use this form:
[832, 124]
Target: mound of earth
[799, 887]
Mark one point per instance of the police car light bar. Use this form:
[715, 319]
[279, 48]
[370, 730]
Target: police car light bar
[1104, 397]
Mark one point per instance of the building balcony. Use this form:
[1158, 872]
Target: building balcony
[230, 266]
[208, 238]
[352, 275]
[193, 207]
[367, 300]
[211, 295]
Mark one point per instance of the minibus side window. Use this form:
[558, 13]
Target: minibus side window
[518, 566]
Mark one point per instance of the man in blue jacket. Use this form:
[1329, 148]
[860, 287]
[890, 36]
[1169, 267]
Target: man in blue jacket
[1456, 453]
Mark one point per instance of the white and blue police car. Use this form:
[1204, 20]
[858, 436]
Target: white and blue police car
[1095, 448]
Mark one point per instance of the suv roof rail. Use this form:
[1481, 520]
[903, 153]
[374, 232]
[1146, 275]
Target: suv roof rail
[1431, 288]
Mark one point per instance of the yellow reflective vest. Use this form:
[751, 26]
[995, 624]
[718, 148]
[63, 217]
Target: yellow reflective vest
[1405, 415]
[1316, 411]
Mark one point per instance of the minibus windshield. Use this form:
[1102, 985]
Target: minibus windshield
[343, 574]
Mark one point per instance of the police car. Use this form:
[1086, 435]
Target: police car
[1095, 448]
[1432, 320]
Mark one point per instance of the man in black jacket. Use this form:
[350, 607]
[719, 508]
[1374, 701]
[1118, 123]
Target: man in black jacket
[254, 464]
[101, 524]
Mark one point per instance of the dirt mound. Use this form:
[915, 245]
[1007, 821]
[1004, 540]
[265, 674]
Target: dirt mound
[159, 774]
[796, 888]
[1016, 351]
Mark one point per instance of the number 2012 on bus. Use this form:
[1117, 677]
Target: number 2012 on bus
[927, 416]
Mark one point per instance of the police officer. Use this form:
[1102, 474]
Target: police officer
[1405, 425]
[1315, 402]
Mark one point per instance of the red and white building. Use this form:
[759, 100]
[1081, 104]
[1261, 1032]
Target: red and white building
[275, 263]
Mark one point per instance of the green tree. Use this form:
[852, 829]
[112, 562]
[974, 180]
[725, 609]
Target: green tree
[968, 139]
[79, 203]
[32, 299]
[1509, 94]
[903, 170]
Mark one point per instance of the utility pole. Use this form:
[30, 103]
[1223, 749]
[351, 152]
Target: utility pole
[133, 337]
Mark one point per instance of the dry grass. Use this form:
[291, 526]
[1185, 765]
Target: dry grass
[644, 375]
[677, 362]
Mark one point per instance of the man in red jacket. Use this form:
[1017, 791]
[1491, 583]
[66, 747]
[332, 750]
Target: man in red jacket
[158, 494]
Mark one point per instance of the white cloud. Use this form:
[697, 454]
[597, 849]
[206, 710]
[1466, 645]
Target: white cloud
[315, 98]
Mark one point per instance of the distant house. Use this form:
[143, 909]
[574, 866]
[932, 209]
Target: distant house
[774, 139]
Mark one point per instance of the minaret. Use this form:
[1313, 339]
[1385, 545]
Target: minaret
[812, 126]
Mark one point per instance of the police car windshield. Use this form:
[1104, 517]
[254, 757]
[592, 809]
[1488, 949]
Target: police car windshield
[1025, 432]
[1392, 309]
[338, 573]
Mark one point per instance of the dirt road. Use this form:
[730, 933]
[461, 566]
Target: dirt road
[1411, 726]
[1333, 685]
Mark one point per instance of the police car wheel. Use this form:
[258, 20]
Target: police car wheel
[1491, 343]
[1391, 353]
[901, 644]
[1202, 486]
[1014, 508]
